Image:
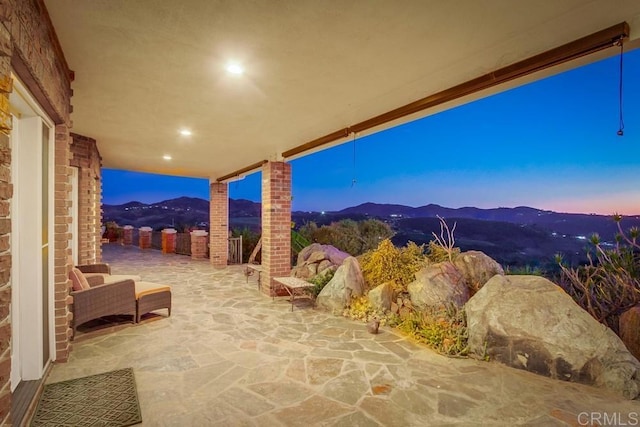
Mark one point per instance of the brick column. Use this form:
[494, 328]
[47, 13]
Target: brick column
[62, 234]
[86, 158]
[144, 240]
[218, 224]
[127, 235]
[169, 241]
[276, 223]
[6, 190]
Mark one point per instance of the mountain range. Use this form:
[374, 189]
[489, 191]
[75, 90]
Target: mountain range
[513, 236]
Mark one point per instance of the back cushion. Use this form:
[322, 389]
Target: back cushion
[79, 281]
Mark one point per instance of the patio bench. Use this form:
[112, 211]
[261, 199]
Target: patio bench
[251, 269]
[296, 287]
[150, 297]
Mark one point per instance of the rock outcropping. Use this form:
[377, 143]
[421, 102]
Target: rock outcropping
[347, 282]
[438, 284]
[476, 268]
[529, 323]
[316, 259]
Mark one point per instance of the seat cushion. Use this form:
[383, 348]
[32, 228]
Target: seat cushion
[113, 278]
[78, 280]
[148, 288]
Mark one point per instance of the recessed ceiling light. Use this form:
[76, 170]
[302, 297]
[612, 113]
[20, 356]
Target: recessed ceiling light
[166, 157]
[185, 132]
[235, 68]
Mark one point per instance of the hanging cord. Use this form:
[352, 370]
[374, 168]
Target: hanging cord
[621, 124]
[354, 181]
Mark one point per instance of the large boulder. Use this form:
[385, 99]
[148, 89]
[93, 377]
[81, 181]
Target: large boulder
[437, 285]
[477, 268]
[528, 322]
[380, 297]
[316, 259]
[629, 325]
[346, 283]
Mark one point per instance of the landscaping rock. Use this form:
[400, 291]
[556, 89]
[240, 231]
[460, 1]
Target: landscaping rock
[437, 285]
[317, 258]
[529, 323]
[346, 283]
[629, 325]
[477, 268]
[380, 297]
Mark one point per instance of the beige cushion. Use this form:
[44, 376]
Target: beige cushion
[148, 288]
[113, 278]
[79, 281]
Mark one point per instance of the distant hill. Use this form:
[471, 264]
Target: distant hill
[513, 236]
[560, 223]
[180, 212]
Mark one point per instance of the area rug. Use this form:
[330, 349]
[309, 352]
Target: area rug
[107, 400]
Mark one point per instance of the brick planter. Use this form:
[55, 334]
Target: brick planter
[144, 240]
[199, 240]
[127, 235]
[169, 241]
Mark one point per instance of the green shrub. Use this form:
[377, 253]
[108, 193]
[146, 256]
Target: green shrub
[442, 329]
[390, 264]
[320, 281]
[348, 235]
[437, 253]
[527, 270]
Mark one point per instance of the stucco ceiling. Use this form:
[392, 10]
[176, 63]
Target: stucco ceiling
[146, 68]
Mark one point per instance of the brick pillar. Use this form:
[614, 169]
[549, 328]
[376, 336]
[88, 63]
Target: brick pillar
[86, 158]
[219, 224]
[199, 240]
[144, 239]
[169, 241]
[6, 190]
[62, 234]
[276, 223]
[127, 235]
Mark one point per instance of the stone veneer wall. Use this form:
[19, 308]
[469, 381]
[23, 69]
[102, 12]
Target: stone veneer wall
[276, 223]
[30, 48]
[87, 159]
[218, 224]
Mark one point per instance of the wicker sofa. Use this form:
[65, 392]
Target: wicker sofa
[97, 299]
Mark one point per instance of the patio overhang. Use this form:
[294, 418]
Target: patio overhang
[315, 71]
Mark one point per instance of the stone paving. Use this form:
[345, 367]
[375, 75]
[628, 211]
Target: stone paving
[230, 356]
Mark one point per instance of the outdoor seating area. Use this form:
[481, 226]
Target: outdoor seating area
[98, 293]
[230, 355]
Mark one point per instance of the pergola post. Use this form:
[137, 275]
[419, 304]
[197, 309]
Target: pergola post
[218, 223]
[276, 223]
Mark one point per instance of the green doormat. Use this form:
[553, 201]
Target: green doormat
[108, 399]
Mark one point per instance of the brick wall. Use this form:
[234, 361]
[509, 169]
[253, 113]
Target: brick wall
[276, 223]
[88, 161]
[5, 227]
[218, 223]
[62, 234]
[29, 48]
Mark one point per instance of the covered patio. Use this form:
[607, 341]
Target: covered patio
[229, 355]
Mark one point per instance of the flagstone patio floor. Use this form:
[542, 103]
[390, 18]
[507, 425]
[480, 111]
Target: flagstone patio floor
[230, 356]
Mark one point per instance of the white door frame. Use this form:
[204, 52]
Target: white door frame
[27, 238]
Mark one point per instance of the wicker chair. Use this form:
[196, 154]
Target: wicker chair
[103, 300]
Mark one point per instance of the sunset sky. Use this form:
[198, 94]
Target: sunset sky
[551, 144]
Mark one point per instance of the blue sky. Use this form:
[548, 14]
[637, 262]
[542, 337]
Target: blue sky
[551, 144]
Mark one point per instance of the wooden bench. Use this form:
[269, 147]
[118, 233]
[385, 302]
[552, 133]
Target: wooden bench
[296, 287]
[251, 269]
